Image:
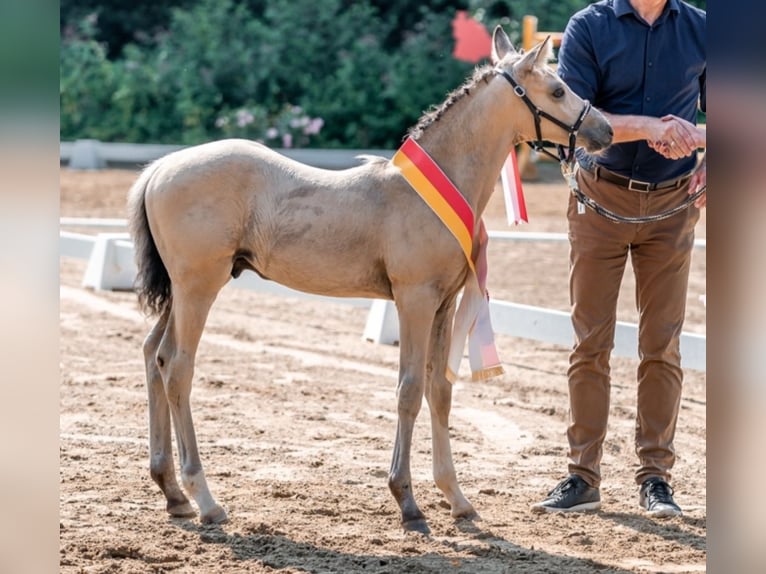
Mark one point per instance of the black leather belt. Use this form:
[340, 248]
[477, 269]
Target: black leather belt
[634, 184]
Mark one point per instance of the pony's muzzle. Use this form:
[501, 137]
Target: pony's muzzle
[596, 132]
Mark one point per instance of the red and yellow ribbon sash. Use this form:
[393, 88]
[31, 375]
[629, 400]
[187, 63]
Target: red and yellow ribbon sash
[472, 318]
[436, 189]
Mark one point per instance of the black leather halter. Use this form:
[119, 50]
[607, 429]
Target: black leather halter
[538, 114]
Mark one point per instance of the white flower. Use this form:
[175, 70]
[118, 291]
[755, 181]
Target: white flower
[244, 118]
[313, 126]
[299, 122]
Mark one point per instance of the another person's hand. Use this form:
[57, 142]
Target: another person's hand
[698, 180]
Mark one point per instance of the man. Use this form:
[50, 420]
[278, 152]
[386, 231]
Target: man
[642, 62]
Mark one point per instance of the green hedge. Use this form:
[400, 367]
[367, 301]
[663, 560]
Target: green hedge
[314, 71]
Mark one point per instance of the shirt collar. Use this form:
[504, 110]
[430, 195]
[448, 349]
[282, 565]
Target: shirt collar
[623, 7]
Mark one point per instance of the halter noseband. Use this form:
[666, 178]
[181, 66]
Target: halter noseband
[537, 113]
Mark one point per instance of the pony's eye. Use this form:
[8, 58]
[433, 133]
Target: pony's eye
[558, 93]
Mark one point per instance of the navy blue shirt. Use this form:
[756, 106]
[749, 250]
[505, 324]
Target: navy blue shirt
[612, 57]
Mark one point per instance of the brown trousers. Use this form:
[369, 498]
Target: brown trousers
[660, 253]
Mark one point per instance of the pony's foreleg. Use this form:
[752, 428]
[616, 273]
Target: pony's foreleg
[177, 353]
[160, 450]
[439, 397]
[416, 313]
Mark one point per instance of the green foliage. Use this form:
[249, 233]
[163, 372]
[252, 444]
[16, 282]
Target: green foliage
[170, 93]
[372, 97]
[86, 87]
[424, 71]
[327, 59]
[119, 22]
[205, 61]
[216, 60]
[350, 73]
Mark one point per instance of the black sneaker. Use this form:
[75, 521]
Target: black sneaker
[656, 497]
[572, 494]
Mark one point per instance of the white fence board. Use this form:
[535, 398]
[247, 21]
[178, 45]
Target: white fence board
[93, 222]
[551, 326]
[77, 245]
[139, 154]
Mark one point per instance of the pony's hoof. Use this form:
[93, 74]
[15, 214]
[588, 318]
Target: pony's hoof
[181, 510]
[416, 525]
[467, 513]
[217, 515]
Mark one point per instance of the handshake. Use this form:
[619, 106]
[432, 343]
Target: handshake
[676, 138]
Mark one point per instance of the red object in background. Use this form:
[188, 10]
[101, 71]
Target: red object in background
[472, 41]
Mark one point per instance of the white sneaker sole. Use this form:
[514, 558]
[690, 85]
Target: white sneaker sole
[664, 512]
[584, 507]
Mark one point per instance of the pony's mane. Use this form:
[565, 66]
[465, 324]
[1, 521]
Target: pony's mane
[434, 114]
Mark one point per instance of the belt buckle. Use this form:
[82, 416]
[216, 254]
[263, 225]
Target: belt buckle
[640, 186]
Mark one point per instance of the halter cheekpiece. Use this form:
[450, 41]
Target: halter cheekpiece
[538, 114]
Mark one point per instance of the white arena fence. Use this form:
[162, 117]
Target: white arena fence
[111, 266]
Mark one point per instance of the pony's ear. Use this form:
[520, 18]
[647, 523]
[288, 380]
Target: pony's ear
[545, 54]
[501, 45]
[537, 56]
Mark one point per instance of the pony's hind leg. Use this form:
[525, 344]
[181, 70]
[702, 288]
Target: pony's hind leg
[416, 312]
[178, 348]
[160, 449]
[439, 397]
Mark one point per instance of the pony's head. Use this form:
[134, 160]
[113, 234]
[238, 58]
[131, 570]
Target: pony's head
[553, 110]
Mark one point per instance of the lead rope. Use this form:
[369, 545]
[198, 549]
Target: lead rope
[568, 171]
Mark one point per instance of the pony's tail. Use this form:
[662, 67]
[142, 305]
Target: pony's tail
[152, 282]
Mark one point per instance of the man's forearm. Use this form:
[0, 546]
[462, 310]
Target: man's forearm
[628, 128]
[669, 135]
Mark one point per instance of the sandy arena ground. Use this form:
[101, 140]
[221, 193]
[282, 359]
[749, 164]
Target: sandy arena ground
[295, 416]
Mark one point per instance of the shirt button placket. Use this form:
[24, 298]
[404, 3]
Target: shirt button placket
[647, 69]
